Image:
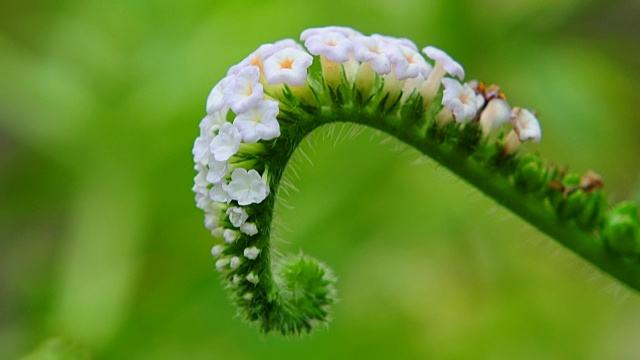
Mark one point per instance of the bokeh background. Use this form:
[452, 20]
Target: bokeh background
[103, 253]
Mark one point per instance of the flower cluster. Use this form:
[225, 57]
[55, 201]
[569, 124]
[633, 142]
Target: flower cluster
[240, 113]
[252, 110]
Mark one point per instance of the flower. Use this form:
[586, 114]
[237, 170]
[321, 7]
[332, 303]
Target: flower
[345, 31]
[217, 250]
[246, 187]
[212, 122]
[249, 228]
[226, 143]
[460, 99]
[259, 122]
[230, 236]
[217, 171]
[369, 49]
[394, 40]
[252, 278]
[237, 215]
[251, 253]
[450, 66]
[200, 150]
[258, 57]
[219, 194]
[332, 44]
[244, 90]
[234, 263]
[526, 125]
[215, 101]
[495, 114]
[221, 264]
[408, 62]
[288, 66]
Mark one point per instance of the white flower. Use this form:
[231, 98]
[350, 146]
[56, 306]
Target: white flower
[408, 62]
[211, 221]
[460, 99]
[221, 264]
[217, 171]
[259, 122]
[394, 40]
[219, 194]
[247, 187]
[226, 143]
[288, 66]
[369, 49]
[247, 296]
[251, 253]
[217, 250]
[249, 228]
[252, 278]
[526, 125]
[200, 150]
[212, 122]
[234, 263]
[230, 236]
[244, 89]
[200, 181]
[449, 65]
[345, 31]
[215, 100]
[258, 57]
[236, 279]
[332, 44]
[237, 215]
[496, 114]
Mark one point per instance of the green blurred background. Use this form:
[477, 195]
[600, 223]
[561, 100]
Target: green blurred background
[103, 253]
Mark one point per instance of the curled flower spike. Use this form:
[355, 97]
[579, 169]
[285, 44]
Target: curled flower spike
[274, 98]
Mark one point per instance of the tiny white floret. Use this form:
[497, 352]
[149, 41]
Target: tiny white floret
[460, 99]
[215, 100]
[234, 263]
[526, 125]
[252, 278]
[287, 66]
[217, 171]
[332, 44]
[237, 215]
[222, 264]
[369, 49]
[247, 187]
[219, 194]
[244, 90]
[408, 62]
[345, 31]
[259, 122]
[216, 250]
[495, 114]
[226, 143]
[230, 236]
[251, 253]
[451, 66]
[249, 228]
